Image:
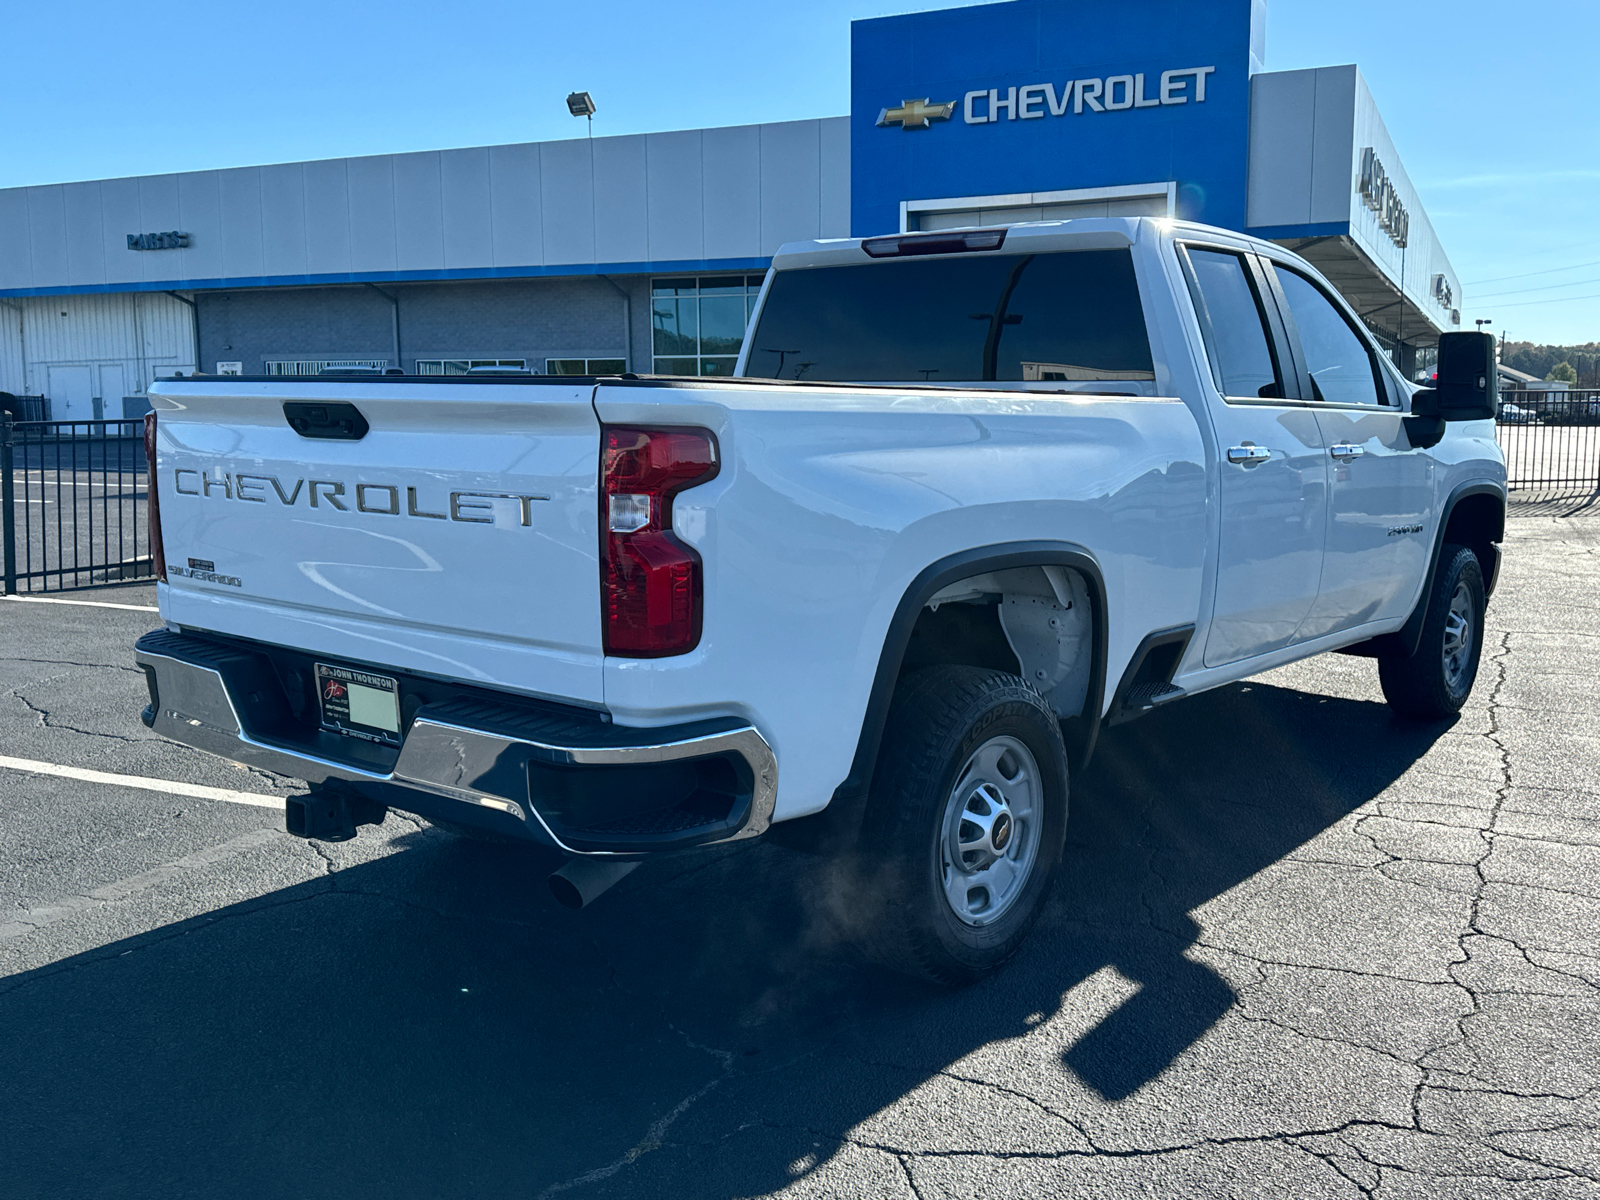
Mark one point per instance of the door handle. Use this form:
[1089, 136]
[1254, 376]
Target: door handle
[1248, 456]
[1344, 452]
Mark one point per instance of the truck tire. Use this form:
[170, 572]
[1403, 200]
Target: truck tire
[1433, 683]
[964, 829]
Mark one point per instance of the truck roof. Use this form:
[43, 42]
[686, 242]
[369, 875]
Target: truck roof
[1032, 237]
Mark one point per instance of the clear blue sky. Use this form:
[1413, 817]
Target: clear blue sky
[1495, 115]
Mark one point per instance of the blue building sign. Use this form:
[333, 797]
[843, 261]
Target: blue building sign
[1036, 98]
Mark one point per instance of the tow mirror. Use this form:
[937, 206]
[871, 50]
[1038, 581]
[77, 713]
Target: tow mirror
[1467, 385]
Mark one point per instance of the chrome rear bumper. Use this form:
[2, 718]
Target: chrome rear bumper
[222, 698]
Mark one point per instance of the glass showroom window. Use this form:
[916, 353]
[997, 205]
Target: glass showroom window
[460, 366]
[698, 322]
[584, 366]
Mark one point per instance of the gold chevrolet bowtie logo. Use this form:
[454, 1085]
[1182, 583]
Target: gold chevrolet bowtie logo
[915, 114]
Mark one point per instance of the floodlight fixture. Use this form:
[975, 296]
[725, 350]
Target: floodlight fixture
[580, 104]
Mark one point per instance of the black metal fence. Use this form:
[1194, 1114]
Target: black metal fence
[27, 408]
[1551, 441]
[72, 504]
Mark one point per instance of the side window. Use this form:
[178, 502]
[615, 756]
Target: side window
[1338, 358]
[1242, 361]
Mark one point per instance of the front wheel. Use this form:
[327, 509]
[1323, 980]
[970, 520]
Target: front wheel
[966, 823]
[1433, 683]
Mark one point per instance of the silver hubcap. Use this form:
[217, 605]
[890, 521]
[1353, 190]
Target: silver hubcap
[1458, 637]
[991, 830]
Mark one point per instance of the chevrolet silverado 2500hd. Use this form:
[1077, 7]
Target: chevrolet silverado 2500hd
[971, 496]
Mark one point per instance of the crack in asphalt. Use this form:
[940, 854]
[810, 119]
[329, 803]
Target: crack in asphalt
[1512, 942]
[45, 721]
[1463, 1038]
[654, 1137]
[911, 1181]
[329, 867]
[1048, 1110]
[67, 662]
[1331, 1039]
[1096, 1150]
[1292, 1139]
[1250, 956]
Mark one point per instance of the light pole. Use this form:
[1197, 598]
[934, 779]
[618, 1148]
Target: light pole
[1482, 321]
[581, 104]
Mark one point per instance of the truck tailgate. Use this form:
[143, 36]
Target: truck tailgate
[458, 536]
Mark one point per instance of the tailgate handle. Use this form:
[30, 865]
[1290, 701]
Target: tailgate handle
[335, 419]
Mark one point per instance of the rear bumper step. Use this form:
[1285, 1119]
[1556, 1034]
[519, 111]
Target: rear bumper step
[565, 778]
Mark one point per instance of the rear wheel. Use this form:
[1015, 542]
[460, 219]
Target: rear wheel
[1433, 683]
[966, 823]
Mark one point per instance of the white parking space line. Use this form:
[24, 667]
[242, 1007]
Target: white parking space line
[165, 786]
[82, 603]
[16, 924]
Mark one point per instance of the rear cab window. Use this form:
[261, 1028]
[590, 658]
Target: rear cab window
[1069, 319]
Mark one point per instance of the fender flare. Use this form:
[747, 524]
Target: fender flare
[837, 824]
[1403, 642]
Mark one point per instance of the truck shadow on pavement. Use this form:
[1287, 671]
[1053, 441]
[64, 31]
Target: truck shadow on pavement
[430, 1023]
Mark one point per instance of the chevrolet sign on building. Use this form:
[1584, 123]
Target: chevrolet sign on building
[646, 252]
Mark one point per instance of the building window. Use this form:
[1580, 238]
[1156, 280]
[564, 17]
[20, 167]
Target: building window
[315, 366]
[460, 366]
[698, 322]
[584, 366]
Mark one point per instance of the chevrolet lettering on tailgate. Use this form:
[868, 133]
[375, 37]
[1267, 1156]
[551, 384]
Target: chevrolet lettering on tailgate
[382, 498]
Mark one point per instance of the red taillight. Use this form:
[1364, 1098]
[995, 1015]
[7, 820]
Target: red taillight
[649, 580]
[158, 552]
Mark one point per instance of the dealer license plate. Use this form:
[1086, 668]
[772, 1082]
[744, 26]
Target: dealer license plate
[359, 704]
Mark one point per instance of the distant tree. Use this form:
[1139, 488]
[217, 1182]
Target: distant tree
[1563, 372]
[1538, 360]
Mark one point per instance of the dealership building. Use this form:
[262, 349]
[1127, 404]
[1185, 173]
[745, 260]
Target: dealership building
[645, 252]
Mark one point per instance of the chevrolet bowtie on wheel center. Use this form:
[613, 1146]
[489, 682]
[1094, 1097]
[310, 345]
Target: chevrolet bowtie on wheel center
[970, 497]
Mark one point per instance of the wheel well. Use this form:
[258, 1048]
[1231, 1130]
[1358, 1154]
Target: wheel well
[1478, 522]
[961, 635]
[1046, 571]
[1036, 622]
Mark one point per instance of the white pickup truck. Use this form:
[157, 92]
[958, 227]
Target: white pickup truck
[971, 496]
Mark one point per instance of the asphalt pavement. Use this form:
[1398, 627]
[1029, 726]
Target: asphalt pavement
[1298, 949]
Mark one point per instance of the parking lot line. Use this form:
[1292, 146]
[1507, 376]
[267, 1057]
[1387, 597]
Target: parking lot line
[165, 786]
[15, 925]
[83, 603]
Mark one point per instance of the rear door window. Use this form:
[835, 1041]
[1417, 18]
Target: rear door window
[1234, 325]
[1065, 317]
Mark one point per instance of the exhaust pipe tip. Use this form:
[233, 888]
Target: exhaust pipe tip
[584, 880]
